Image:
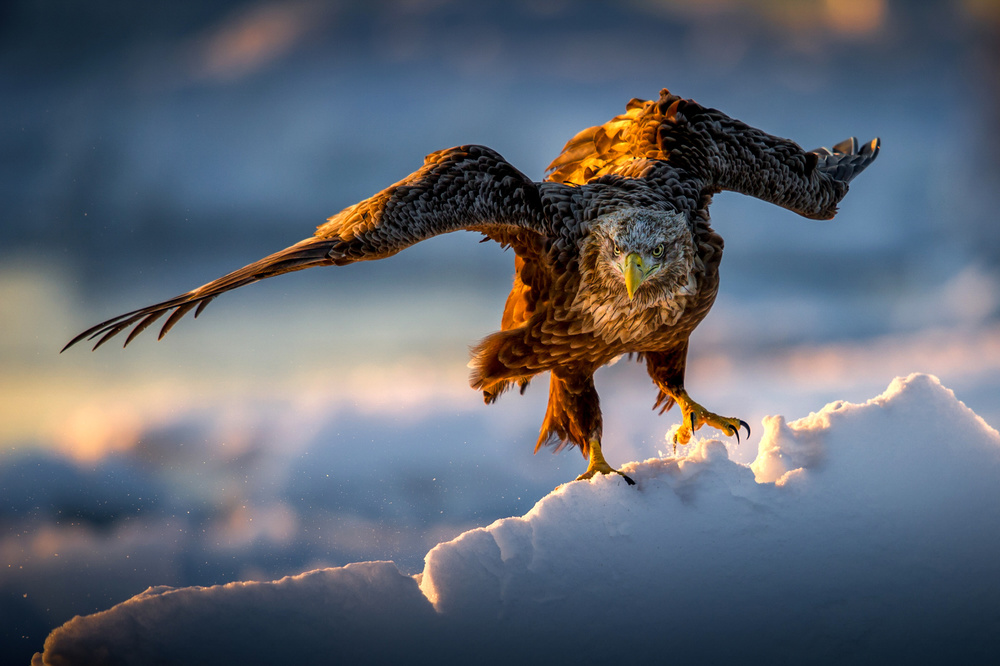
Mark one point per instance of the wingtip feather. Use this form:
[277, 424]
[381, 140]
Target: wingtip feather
[848, 158]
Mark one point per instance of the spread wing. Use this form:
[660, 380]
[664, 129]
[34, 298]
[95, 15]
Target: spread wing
[469, 187]
[694, 143]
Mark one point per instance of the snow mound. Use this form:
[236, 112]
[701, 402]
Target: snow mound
[861, 533]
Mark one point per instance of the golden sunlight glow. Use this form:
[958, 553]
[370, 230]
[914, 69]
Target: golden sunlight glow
[855, 17]
[93, 431]
[983, 10]
[846, 18]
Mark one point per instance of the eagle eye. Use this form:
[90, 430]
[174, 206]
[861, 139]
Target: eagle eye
[658, 251]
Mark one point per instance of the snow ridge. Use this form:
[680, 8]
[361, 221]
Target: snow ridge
[862, 533]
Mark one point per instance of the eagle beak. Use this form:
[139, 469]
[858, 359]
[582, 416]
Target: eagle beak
[633, 273]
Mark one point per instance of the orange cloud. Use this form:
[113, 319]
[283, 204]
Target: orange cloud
[254, 37]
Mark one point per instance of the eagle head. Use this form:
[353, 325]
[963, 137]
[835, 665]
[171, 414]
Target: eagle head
[646, 255]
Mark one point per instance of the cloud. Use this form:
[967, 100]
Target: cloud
[99, 496]
[862, 532]
[255, 36]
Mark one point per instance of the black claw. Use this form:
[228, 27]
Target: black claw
[745, 425]
[693, 427]
[737, 433]
[627, 479]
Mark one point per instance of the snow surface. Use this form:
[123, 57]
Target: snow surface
[861, 533]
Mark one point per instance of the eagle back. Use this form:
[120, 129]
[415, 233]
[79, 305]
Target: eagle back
[610, 148]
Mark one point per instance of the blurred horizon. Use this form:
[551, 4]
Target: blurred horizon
[324, 417]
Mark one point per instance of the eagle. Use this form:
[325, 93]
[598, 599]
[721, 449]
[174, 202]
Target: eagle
[614, 253]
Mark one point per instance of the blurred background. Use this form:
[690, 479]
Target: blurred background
[324, 417]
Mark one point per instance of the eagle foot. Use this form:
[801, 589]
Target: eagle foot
[695, 416]
[598, 465]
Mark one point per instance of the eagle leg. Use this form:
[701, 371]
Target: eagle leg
[598, 465]
[695, 416]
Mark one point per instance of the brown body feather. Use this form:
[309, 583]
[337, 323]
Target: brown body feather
[651, 171]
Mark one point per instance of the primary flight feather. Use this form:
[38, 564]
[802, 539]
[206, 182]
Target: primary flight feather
[614, 251]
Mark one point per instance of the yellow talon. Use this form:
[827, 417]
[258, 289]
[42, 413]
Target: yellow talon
[695, 416]
[598, 465]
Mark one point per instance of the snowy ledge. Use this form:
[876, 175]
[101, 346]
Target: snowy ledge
[862, 533]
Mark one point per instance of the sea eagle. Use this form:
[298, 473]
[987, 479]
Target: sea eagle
[614, 253]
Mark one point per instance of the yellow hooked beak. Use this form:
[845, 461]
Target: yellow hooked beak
[632, 270]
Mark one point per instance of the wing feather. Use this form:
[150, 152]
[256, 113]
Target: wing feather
[308, 253]
[707, 147]
[468, 187]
